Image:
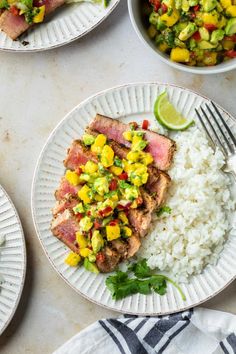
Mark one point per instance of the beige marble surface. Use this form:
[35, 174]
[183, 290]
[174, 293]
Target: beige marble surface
[36, 91]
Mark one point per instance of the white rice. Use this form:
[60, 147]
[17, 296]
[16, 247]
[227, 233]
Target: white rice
[192, 236]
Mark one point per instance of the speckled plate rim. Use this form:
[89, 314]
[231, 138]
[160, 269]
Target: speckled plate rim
[61, 122]
[24, 262]
[24, 50]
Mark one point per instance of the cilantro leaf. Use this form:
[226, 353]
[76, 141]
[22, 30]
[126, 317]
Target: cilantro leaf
[164, 209]
[141, 269]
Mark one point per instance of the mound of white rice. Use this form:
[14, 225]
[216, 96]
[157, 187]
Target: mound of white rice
[192, 236]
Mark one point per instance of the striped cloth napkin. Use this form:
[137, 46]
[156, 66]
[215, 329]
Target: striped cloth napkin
[198, 331]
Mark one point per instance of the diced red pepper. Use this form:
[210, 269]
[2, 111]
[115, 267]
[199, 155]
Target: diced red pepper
[97, 225]
[123, 176]
[114, 222]
[156, 4]
[210, 27]
[100, 257]
[231, 53]
[196, 36]
[38, 3]
[230, 38]
[124, 207]
[88, 213]
[105, 211]
[164, 8]
[145, 124]
[193, 15]
[14, 10]
[78, 171]
[113, 185]
[79, 216]
[196, 8]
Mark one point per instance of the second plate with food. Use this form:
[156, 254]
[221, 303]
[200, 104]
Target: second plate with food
[63, 26]
[189, 241]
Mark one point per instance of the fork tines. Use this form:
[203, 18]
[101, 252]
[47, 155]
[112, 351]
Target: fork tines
[215, 126]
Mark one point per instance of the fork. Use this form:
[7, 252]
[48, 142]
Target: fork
[224, 137]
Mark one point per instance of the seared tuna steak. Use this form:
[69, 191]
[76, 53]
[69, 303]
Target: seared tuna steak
[161, 147]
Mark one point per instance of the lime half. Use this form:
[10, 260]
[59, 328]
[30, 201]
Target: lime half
[167, 115]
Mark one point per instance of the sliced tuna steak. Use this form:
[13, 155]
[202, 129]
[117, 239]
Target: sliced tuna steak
[14, 26]
[66, 190]
[64, 227]
[161, 147]
[78, 155]
[62, 205]
[140, 220]
[134, 245]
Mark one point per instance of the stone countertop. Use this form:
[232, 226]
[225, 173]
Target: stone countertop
[36, 91]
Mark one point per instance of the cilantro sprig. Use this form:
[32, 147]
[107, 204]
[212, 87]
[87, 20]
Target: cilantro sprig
[139, 278]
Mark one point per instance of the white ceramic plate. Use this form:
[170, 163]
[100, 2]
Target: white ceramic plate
[65, 25]
[131, 102]
[12, 260]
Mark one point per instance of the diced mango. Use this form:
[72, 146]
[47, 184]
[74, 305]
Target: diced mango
[85, 252]
[180, 55]
[170, 20]
[163, 47]
[227, 45]
[146, 158]
[231, 11]
[128, 135]
[81, 240]
[210, 58]
[107, 156]
[122, 216]
[100, 140]
[210, 18]
[225, 3]
[83, 194]
[72, 177]
[90, 167]
[133, 156]
[98, 198]
[116, 170]
[113, 232]
[127, 231]
[40, 16]
[73, 259]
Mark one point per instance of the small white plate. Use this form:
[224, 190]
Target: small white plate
[12, 260]
[129, 103]
[64, 26]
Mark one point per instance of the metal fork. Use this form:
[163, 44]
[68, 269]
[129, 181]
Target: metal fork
[219, 134]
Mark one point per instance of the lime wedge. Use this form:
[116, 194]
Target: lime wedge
[167, 115]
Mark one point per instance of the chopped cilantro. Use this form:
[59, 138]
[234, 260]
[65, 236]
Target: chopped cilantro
[122, 285]
[164, 209]
[118, 162]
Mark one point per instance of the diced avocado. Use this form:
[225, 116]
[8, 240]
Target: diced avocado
[230, 27]
[97, 241]
[85, 224]
[217, 36]
[4, 4]
[219, 8]
[91, 267]
[160, 24]
[179, 27]
[92, 258]
[185, 5]
[88, 139]
[188, 31]
[178, 4]
[193, 2]
[131, 193]
[101, 185]
[209, 5]
[206, 45]
[179, 43]
[205, 36]
[153, 18]
[152, 31]
[79, 208]
[192, 44]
